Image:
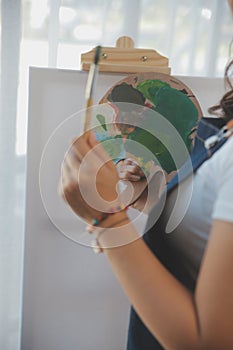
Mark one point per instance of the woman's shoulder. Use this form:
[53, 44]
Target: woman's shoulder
[223, 171]
[220, 166]
[225, 154]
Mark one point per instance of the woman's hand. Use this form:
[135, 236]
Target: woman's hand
[130, 170]
[88, 178]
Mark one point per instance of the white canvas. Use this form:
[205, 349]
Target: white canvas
[71, 300]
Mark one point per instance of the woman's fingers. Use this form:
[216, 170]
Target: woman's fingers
[133, 167]
[130, 170]
[86, 143]
[80, 146]
[129, 161]
[88, 178]
[124, 175]
[100, 152]
[71, 159]
[85, 159]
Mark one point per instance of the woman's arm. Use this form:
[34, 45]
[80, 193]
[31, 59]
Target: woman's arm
[178, 319]
[174, 316]
[214, 291]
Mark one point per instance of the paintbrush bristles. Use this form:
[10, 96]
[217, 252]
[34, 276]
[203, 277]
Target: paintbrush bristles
[97, 54]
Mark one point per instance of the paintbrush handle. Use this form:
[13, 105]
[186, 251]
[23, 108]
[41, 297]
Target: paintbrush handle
[89, 90]
[88, 113]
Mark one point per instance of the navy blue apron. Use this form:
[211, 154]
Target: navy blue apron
[139, 337]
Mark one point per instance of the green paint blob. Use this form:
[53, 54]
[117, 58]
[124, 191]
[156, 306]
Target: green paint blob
[102, 121]
[149, 87]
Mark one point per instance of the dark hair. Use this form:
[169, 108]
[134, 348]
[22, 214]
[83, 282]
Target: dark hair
[225, 107]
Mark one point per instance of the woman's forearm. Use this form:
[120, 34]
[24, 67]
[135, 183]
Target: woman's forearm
[165, 306]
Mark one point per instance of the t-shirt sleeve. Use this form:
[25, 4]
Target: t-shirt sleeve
[223, 207]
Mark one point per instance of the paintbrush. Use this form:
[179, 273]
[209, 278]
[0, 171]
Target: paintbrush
[90, 89]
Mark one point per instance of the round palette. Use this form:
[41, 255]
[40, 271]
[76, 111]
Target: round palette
[159, 93]
[165, 97]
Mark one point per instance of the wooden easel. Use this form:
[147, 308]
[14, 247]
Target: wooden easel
[125, 58]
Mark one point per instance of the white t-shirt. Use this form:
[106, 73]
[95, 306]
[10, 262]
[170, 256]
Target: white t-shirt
[212, 198]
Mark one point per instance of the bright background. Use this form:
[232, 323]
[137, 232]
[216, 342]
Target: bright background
[194, 35]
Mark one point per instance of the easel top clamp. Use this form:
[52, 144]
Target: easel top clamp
[124, 58]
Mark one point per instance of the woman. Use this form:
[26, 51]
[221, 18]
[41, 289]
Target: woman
[181, 288]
